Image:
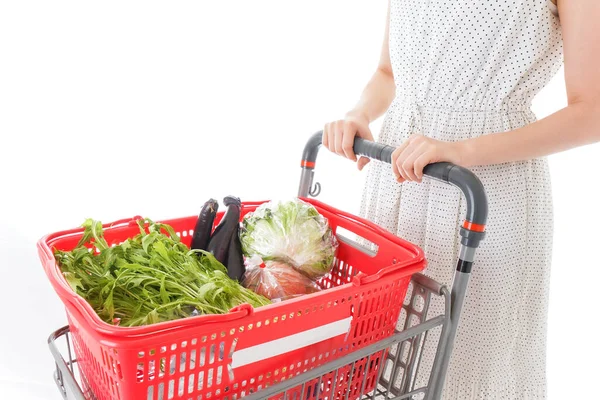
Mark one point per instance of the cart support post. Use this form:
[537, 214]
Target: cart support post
[306, 180]
[446, 344]
[472, 233]
[64, 377]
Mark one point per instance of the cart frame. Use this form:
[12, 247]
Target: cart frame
[399, 353]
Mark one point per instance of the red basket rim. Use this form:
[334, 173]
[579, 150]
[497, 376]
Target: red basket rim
[72, 300]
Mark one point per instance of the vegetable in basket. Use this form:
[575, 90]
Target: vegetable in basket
[235, 259]
[224, 243]
[149, 278]
[204, 225]
[277, 280]
[292, 232]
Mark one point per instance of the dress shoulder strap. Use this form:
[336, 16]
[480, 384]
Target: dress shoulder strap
[553, 7]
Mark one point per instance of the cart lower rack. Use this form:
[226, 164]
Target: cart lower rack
[345, 378]
[387, 368]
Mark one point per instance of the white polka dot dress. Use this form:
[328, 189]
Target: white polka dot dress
[466, 68]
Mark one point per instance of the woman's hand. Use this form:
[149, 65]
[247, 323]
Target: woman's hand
[376, 98]
[338, 136]
[409, 159]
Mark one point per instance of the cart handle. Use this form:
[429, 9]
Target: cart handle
[465, 180]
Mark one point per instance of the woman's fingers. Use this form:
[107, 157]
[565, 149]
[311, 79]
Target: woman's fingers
[332, 137]
[421, 162]
[395, 157]
[408, 163]
[349, 132]
[339, 137]
[325, 138]
[329, 136]
[407, 160]
[362, 162]
[365, 133]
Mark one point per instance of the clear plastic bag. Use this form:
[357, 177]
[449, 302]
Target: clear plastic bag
[292, 232]
[276, 280]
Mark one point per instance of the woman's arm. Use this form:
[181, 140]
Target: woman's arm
[338, 136]
[381, 89]
[576, 125]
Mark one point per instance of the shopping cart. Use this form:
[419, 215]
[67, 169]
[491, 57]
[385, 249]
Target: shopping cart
[388, 368]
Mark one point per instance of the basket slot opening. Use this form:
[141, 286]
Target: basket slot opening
[181, 389]
[356, 242]
[212, 354]
[219, 374]
[171, 392]
[182, 362]
[200, 380]
[209, 380]
[202, 356]
[172, 364]
[140, 372]
[190, 383]
[161, 391]
[162, 367]
[192, 359]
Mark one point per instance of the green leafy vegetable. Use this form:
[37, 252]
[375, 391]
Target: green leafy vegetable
[292, 232]
[149, 278]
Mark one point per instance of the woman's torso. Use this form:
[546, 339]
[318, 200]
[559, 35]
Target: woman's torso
[473, 55]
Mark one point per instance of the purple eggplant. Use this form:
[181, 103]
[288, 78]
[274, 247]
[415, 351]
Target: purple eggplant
[204, 225]
[235, 258]
[220, 240]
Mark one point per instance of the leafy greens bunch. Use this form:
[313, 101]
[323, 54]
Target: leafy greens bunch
[149, 278]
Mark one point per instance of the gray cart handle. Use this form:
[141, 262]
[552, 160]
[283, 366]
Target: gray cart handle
[472, 232]
[465, 180]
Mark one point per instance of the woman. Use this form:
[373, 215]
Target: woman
[457, 79]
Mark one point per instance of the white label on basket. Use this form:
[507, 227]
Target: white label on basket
[290, 343]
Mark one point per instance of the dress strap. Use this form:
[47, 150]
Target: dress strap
[553, 7]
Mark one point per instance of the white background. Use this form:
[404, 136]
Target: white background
[113, 109]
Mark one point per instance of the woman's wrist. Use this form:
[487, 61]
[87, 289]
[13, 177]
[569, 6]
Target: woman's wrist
[465, 151]
[358, 114]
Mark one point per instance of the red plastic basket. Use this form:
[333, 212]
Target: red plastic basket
[229, 356]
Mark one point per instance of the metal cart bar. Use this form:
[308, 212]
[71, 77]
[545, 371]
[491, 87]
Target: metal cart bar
[472, 232]
[399, 384]
[64, 376]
